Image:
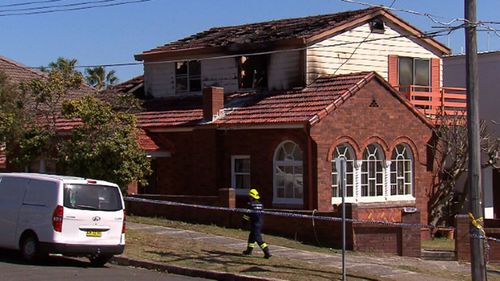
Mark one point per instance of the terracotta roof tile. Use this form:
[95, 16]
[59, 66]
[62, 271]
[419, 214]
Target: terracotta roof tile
[255, 109]
[18, 73]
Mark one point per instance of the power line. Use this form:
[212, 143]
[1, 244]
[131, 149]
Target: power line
[75, 9]
[432, 17]
[442, 32]
[58, 6]
[29, 3]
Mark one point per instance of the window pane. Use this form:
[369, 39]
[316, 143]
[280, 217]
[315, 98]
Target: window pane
[194, 85]
[422, 72]
[242, 165]
[181, 68]
[405, 71]
[194, 68]
[181, 84]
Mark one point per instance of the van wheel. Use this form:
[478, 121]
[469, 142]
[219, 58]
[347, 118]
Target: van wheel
[99, 260]
[30, 248]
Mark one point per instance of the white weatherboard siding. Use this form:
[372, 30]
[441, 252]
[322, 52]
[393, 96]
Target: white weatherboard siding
[159, 79]
[284, 70]
[221, 73]
[344, 54]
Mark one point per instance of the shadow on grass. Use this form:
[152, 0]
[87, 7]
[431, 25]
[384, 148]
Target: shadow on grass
[252, 264]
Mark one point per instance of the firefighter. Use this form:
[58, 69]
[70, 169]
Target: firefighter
[256, 222]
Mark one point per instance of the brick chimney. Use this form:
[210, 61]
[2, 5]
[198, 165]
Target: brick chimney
[213, 102]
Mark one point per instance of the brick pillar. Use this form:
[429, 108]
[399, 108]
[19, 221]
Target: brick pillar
[410, 236]
[213, 101]
[132, 188]
[227, 197]
[462, 240]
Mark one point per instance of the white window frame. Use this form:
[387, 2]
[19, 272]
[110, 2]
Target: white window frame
[386, 181]
[234, 158]
[352, 162]
[400, 157]
[290, 163]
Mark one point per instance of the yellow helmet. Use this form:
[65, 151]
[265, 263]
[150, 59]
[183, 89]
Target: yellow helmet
[254, 193]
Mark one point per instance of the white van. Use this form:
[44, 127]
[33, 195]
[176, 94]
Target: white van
[42, 214]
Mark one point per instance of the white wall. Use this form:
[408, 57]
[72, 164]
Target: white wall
[159, 79]
[285, 70]
[344, 54]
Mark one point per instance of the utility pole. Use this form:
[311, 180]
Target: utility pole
[474, 172]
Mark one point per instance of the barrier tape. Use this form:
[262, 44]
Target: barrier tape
[282, 214]
[477, 223]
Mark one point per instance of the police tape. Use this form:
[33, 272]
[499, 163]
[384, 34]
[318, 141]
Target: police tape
[281, 214]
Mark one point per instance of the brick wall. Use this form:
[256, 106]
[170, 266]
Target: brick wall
[462, 241]
[388, 124]
[360, 237]
[200, 163]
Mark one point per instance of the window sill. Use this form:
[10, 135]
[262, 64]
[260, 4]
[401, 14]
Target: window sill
[379, 199]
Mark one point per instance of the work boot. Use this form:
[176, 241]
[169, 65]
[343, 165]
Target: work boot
[248, 251]
[266, 253]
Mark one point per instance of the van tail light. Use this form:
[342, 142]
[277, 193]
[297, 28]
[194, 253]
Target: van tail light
[124, 221]
[57, 218]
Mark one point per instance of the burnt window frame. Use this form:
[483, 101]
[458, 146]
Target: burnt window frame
[261, 64]
[190, 76]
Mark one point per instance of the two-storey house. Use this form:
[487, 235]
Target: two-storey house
[270, 105]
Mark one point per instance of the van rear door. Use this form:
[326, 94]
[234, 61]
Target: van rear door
[93, 214]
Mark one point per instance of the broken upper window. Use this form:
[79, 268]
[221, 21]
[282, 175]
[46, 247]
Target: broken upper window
[253, 72]
[187, 76]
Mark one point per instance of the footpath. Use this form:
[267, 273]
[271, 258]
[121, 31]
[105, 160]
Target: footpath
[386, 267]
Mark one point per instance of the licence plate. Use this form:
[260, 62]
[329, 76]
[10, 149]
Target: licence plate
[94, 233]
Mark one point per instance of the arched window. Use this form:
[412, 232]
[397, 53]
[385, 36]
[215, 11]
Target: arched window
[343, 151]
[372, 172]
[401, 171]
[288, 171]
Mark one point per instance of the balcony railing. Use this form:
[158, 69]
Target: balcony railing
[447, 100]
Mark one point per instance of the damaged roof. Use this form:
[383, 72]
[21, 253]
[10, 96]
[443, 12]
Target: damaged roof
[293, 32]
[306, 106]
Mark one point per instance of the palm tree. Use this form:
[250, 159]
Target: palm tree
[99, 79]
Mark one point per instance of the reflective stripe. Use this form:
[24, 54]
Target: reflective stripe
[263, 246]
[251, 245]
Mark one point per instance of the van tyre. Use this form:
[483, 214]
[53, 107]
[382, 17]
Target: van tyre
[99, 260]
[30, 248]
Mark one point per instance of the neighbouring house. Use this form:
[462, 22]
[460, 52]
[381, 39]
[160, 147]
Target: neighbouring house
[17, 74]
[489, 101]
[270, 105]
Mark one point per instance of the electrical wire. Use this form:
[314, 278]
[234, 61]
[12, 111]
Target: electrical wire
[444, 31]
[74, 9]
[58, 6]
[29, 3]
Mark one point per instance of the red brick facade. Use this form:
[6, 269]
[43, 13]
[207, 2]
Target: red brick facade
[200, 163]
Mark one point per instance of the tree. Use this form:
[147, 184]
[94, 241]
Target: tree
[448, 195]
[99, 79]
[104, 145]
[12, 113]
[45, 95]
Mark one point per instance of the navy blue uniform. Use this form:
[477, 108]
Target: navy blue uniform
[256, 223]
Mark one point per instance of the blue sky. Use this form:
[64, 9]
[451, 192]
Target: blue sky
[113, 35]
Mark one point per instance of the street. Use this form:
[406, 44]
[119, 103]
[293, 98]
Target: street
[12, 268]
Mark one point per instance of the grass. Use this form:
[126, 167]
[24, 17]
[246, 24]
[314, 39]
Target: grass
[441, 243]
[202, 255]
